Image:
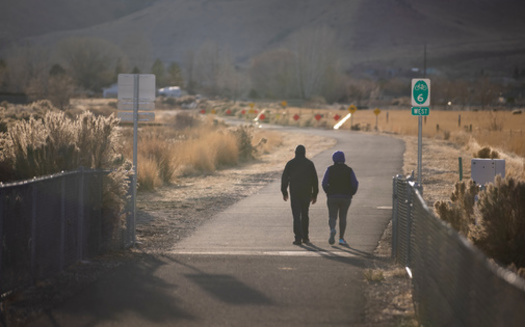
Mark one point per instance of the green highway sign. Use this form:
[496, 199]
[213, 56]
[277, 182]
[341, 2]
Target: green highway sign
[420, 111]
[420, 92]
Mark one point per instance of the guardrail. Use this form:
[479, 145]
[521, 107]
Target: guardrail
[454, 283]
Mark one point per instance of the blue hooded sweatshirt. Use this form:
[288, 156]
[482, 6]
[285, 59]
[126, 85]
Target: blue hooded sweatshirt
[339, 180]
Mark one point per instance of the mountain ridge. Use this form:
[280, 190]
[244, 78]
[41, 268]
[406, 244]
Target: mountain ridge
[459, 34]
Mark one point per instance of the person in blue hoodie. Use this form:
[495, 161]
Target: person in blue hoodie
[300, 175]
[340, 184]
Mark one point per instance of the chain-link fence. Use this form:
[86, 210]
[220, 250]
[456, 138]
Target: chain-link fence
[49, 223]
[454, 284]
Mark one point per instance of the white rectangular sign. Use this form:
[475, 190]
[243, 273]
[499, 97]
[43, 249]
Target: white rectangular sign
[126, 87]
[127, 116]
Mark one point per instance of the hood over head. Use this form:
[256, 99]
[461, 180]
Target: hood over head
[338, 157]
[300, 151]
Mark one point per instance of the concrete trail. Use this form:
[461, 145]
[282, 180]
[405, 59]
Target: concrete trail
[241, 269]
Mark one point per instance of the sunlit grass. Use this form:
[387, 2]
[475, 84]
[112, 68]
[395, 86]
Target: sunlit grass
[172, 151]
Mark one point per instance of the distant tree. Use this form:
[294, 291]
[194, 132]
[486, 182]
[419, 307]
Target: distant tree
[26, 65]
[486, 92]
[453, 91]
[58, 87]
[212, 65]
[235, 83]
[120, 67]
[90, 61]
[57, 70]
[189, 70]
[359, 91]
[272, 74]
[317, 60]
[135, 70]
[137, 46]
[207, 67]
[3, 74]
[158, 70]
[174, 76]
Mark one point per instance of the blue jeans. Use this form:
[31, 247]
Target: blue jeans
[338, 207]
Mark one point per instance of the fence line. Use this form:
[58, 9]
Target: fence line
[454, 283]
[49, 223]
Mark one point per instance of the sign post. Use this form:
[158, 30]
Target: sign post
[135, 92]
[420, 107]
[352, 109]
[377, 111]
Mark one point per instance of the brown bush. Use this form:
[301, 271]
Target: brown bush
[185, 120]
[459, 212]
[244, 136]
[486, 153]
[501, 232]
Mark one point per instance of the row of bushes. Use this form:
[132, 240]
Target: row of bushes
[491, 217]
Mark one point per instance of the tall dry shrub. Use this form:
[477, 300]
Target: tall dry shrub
[459, 212]
[97, 137]
[244, 136]
[501, 232]
[225, 145]
[55, 143]
[148, 174]
[156, 159]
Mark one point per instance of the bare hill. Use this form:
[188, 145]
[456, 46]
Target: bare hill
[461, 35]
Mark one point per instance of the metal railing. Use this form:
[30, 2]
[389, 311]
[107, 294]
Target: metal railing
[454, 283]
[49, 223]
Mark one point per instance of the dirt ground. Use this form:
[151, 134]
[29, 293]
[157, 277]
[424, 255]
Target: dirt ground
[172, 213]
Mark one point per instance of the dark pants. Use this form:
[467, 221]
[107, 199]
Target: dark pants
[300, 206]
[338, 207]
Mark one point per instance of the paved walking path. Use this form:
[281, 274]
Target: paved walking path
[241, 269]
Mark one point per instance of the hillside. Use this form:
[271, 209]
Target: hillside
[461, 35]
[24, 18]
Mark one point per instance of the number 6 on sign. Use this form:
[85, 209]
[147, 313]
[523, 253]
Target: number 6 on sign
[420, 92]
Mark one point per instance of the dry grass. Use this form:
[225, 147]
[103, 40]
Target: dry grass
[501, 130]
[168, 152]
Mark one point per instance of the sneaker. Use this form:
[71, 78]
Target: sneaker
[306, 240]
[297, 242]
[331, 240]
[342, 242]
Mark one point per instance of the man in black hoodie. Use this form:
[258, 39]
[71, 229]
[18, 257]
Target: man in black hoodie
[300, 174]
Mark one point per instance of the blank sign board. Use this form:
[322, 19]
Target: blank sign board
[484, 171]
[146, 87]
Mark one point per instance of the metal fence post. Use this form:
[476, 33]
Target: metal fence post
[410, 207]
[1, 234]
[62, 222]
[395, 200]
[80, 227]
[32, 241]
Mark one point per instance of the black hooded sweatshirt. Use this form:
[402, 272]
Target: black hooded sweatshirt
[300, 174]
